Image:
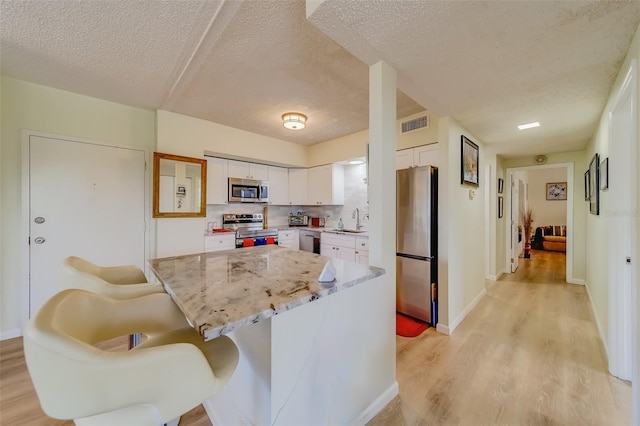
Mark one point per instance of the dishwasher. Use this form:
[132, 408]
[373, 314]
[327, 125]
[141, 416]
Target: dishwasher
[310, 240]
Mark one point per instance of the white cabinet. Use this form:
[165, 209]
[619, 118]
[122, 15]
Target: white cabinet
[419, 156]
[297, 187]
[221, 241]
[362, 250]
[244, 170]
[325, 185]
[338, 246]
[289, 238]
[217, 181]
[278, 186]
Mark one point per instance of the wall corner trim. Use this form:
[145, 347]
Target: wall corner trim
[376, 406]
[444, 329]
[598, 325]
[466, 310]
[10, 334]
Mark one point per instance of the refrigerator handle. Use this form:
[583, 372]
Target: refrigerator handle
[413, 256]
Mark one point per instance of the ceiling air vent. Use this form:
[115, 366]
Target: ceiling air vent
[415, 124]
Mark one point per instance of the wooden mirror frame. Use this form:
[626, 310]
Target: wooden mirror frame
[157, 156]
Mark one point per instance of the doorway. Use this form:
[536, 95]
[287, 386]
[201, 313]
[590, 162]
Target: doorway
[511, 212]
[80, 198]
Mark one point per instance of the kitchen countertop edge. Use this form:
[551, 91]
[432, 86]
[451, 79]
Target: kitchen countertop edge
[348, 275]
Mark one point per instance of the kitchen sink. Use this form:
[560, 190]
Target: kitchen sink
[350, 231]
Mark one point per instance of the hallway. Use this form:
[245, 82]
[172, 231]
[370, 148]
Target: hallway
[528, 353]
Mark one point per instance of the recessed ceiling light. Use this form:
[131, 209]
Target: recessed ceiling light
[529, 125]
[356, 162]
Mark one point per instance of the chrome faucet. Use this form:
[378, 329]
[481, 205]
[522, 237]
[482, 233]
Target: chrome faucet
[356, 216]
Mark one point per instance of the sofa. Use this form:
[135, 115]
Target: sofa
[551, 238]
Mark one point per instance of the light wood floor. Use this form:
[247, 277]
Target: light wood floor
[528, 354]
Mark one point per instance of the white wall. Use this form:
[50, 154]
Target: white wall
[546, 212]
[34, 107]
[597, 229]
[462, 229]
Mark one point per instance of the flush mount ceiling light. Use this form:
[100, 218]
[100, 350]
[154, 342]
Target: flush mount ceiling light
[294, 120]
[356, 162]
[529, 125]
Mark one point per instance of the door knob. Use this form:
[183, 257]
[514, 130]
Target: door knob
[39, 240]
[39, 220]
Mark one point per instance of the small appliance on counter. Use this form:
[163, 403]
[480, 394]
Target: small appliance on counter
[298, 220]
[317, 221]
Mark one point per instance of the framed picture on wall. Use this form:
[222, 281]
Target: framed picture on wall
[587, 181]
[469, 158]
[500, 185]
[500, 206]
[594, 185]
[557, 191]
[604, 174]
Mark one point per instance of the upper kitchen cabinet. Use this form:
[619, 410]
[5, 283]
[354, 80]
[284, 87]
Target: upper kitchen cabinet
[217, 180]
[278, 186]
[297, 187]
[419, 156]
[325, 185]
[244, 170]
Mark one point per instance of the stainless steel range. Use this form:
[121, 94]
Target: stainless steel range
[249, 229]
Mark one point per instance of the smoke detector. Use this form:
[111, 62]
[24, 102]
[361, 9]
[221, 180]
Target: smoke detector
[540, 159]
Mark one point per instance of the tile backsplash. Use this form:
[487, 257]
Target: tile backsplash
[355, 196]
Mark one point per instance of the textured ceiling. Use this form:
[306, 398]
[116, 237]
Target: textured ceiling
[488, 64]
[494, 64]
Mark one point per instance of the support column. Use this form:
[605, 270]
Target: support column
[382, 167]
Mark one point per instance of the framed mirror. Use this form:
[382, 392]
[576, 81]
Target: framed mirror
[179, 186]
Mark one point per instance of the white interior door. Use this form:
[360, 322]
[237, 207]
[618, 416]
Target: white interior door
[85, 200]
[515, 221]
[620, 205]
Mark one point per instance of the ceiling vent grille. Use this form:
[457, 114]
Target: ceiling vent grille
[415, 124]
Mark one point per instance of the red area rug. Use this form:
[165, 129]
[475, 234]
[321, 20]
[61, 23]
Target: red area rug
[409, 327]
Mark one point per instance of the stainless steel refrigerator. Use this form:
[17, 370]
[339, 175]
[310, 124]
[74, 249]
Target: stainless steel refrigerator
[417, 243]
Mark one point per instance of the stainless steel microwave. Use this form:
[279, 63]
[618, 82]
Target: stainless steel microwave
[248, 191]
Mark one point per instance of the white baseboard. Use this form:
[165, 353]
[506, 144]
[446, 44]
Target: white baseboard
[444, 329]
[600, 333]
[208, 408]
[466, 311]
[576, 281]
[496, 277]
[10, 334]
[362, 419]
[376, 406]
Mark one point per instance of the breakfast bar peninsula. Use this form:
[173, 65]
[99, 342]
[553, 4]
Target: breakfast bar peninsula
[310, 352]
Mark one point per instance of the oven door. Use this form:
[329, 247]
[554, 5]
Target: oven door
[244, 190]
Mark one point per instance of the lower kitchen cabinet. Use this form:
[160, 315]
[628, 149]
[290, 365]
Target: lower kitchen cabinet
[362, 250]
[338, 246]
[289, 238]
[221, 241]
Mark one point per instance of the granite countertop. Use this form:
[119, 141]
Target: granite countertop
[220, 291]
